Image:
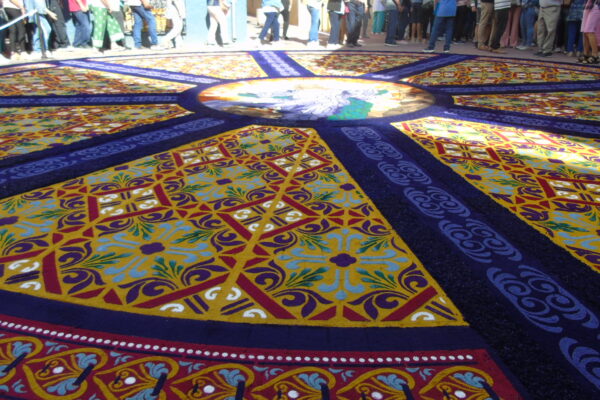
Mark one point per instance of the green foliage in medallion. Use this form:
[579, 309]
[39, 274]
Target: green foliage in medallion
[375, 243]
[378, 279]
[305, 278]
[172, 270]
[99, 261]
[13, 204]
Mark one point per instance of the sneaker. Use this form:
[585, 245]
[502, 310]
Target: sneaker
[428, 50]
[391, 44]
[154, 47]
[522, 47]
[313, 45]
[446, 51]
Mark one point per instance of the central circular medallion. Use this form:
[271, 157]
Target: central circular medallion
[316, 98]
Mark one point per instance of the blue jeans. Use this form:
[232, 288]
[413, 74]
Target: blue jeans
[390, 34]
[354, 21]
[442, 24]
[574, 35]
[527, 22]
[315, 22]
[334, 31]
[83, 28]
[140, 15]
[45, 28]
[272, 22]
[403, 21]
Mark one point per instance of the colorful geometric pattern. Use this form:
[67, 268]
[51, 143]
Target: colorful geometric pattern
[154, 248]
[223, 66]
[584, 105]
[502, 71]
[352, 64]
[249, 226]
[550, 181]
[25, 130]
[54, 365]
[70, 81]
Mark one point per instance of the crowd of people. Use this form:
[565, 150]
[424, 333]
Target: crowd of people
[99, 25]
[545, 26]
[571, 26]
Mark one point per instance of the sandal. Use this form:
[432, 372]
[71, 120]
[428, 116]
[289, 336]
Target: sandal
[582, 59]
[592, 60]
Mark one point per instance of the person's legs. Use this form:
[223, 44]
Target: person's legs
[315, 22]
[390, 35]
[449, 30]
[59, 28]
[354, 18]
[271, 17]
[285, 13]
[151, 24]
[83, 28]
[100, 20]
[138, 24]
[548, 28]
[334, 31]
[16, 32]
[485, 22]
[403, 23]
[435, 32]
[500, 20]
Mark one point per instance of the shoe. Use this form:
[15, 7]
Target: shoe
[286, 38]
[570, 54]
[391, 44]
[543, 54]
[154, 47]
[498, 51]
[446, 51]
[522, 47]
[428, 50]
[483, 47]
[313, 45]
[591, 60]
[538, 53]
[333, 46]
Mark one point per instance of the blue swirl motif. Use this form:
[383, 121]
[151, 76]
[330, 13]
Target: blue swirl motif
[106, 149]
[85, 360]
[232, 377]
[471, 379]
[392, 381]
[64, 387]
[145, 394]
[585, 359]
[525, 119]
[148, 73]
[541, 300]
[313, 380]
[38, 167]
[404, 173]
[155, 370]
[435, 202]
[379, 150]
[360, 133]
[54, 163]
[19, 348]
[479, 241]
[89, 100]
[175, 131]
[279, 64]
